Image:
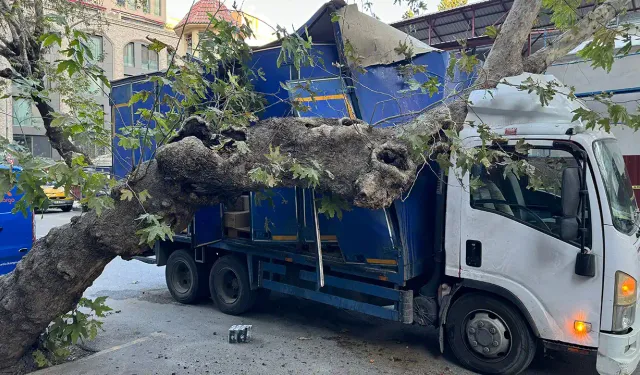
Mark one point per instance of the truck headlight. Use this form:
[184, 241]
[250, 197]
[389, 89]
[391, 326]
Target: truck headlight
[624, 306]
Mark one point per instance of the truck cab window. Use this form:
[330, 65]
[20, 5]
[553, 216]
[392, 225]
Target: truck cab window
[505, 193]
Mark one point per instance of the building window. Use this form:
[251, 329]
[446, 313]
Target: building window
[189, 41]
[24, 141]
[95, 44]
[21, 112]
[120, 3]
[131, 4]
[129, 56]
[146, 6]
[157, 7]
[149, 59]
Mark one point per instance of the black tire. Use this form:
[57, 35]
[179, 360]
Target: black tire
[468, 326]
[67, 209]
[185, 278]
[229, 286]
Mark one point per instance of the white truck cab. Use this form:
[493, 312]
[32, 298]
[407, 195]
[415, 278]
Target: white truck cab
[566, 254]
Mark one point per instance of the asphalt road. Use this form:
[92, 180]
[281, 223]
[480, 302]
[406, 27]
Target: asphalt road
[149, 333]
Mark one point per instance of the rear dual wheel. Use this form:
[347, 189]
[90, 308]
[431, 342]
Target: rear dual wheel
[230, 287]
[227, 282]
[186, 279]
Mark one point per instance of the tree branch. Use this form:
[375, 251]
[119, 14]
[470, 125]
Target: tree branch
[59, 141]
[570, 39]
[505, 57]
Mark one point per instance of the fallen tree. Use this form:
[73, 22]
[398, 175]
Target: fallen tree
[366, 166]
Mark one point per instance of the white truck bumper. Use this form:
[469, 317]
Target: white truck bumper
[618, 354]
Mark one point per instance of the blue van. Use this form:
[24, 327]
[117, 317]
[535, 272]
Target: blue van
[17, 232]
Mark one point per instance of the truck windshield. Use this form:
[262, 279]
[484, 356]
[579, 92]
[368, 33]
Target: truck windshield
[617, 185]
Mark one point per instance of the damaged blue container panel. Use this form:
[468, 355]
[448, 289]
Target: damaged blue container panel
[381, 90]
[123, 115]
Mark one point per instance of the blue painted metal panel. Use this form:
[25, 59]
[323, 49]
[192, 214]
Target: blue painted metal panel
[122, 158]
[275, 95]
[416, 222]
[325, 55]
[336, 301]
[145, 153]
[286, 252]
[16, 231]
[363, 236]
[273, 268]
[121, 94]
[325, 97]
[275, 219]
[356, 286]
[378, 90]
[328, 226]
[207, 225]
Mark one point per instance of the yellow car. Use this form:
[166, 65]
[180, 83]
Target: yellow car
[58, 198]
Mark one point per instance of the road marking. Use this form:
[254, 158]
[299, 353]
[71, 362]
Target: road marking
[60, 369]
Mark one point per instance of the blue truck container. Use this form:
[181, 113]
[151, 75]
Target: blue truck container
[371, 261]
[17, 231]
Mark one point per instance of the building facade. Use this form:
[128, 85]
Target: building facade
[121, 42]
[198, 20]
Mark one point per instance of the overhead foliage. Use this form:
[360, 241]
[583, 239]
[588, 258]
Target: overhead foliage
[449, 4]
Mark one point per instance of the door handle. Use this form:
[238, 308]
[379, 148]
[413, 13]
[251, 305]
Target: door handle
[1, 228]
[23, 250]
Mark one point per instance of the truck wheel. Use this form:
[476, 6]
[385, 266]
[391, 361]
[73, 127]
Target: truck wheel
[489, 336]
[185, 279]
[229, 286]
[67, 209]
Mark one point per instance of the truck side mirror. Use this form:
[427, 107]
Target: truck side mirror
[570, 202]
[568, 223]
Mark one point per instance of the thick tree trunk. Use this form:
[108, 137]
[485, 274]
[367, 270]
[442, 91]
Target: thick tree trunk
[185, 175]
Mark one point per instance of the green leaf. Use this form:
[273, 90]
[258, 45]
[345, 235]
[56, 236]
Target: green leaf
[51, 38]
[40, 359]
[451, 67]
[64, 65]
[309, 174]
[140, 96]
[491, 32]
[126, 195]
[144, 195]
[333, 205]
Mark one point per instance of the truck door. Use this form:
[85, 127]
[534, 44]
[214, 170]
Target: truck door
[207, 225]
[510, 239]
[16, 233]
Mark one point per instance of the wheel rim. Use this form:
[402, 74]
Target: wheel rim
[487, 335]
[182, 279]
[227, 286]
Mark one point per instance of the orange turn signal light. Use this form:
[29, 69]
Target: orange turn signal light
[581, 327]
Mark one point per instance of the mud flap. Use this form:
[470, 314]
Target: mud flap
[444, 310]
